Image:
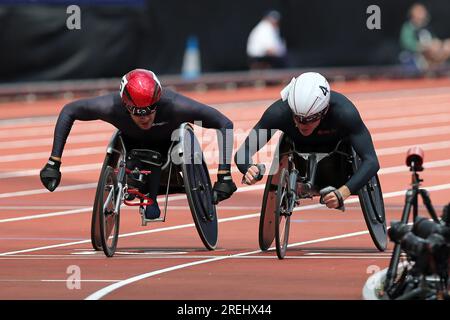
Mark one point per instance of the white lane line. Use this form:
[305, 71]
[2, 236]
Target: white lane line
[70, 169]
[45, 191]
[413, 133]
[44, 155]
[125, 235]
[240, 217]
[389, 170]
[86, 167]
[425, 146]
[408, 121]
[113, 287]
[395, 169]
[82, 138]
[404, 168]
[103, 292]
[46, 215]
[35, 121]
[64, 169]
[209, 136]
[74, 211]
[79, 127]
[185, 255]
[122, 208]
[154, 257]
[57, 280]
[40, 207]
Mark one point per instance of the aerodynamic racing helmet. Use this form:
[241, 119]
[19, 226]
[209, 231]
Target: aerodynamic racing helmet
[140, 90]
[308, 96]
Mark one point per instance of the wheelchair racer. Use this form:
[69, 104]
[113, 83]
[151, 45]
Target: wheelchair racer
[146, 115]
[315, 119]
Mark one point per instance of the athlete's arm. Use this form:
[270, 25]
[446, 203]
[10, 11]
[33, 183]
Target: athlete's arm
[261, 133]
[84, 110]
[193, 111]
[361, 141]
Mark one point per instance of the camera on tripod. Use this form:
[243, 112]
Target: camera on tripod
[426, 244]
[414, 159]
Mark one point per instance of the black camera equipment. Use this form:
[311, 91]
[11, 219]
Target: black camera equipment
[414, 160]
[427, 244]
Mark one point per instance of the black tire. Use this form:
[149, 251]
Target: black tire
[108, 218]
[372, 205]
[266, 233]
[96, 240]
[266, 230]
[282, 216]
[198, 189]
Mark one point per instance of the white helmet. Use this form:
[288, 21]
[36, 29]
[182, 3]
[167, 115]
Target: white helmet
[308, 96]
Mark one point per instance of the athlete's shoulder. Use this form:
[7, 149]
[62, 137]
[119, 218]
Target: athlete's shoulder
[104, 102]
[276, 115]
[278, 108]
[340, 99]
[343, 111]
[168, 96]
[342, 103]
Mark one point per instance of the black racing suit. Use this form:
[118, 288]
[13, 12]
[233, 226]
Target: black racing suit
[342, 122]
[173, 109]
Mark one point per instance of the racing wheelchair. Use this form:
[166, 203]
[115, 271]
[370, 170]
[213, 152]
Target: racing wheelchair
[294, 175]
[183, 171]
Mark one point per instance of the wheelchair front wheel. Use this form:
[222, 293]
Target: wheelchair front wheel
[282, 215]
[372, 205]
[95, 222]
[108, 217]
[198, 189]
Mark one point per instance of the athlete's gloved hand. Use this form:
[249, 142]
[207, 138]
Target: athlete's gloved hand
[254, 173]
[223, 188]
[50, 174]
[329, 195]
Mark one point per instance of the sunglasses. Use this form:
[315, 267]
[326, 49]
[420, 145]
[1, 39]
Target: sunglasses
[141, 111]
[311, 118]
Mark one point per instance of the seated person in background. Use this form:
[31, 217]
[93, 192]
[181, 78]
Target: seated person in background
[265, 48]
[421, 47]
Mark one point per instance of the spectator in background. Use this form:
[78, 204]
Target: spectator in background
[265, 48]
[421, 47]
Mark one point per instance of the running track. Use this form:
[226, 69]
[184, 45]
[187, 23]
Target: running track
[45, 236]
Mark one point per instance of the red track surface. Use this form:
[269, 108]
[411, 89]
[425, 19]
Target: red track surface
[42, 234]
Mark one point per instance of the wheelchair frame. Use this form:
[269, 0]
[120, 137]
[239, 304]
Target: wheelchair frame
[281, 197]
[116, 155]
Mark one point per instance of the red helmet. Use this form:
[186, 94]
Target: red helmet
[140, 90]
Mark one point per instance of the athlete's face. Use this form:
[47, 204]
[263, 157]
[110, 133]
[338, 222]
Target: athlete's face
[306, 129]
[144, 122]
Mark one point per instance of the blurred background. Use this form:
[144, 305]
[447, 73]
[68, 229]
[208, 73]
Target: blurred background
[117, 35]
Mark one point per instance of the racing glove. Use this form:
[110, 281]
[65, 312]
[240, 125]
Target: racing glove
[223, 188]
[50, 174]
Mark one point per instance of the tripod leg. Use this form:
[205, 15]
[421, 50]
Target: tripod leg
[391, 273]
[427, 202]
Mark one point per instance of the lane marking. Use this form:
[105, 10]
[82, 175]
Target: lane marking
[78, 127]
[408, 121]
[207, 135]
[45, 154]
[413, 133]
[389, 170]
[113, 287]
[82, 138]
[122, 208]
[70, 169]
[241, 217]
[82, 186]
[57, 280]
